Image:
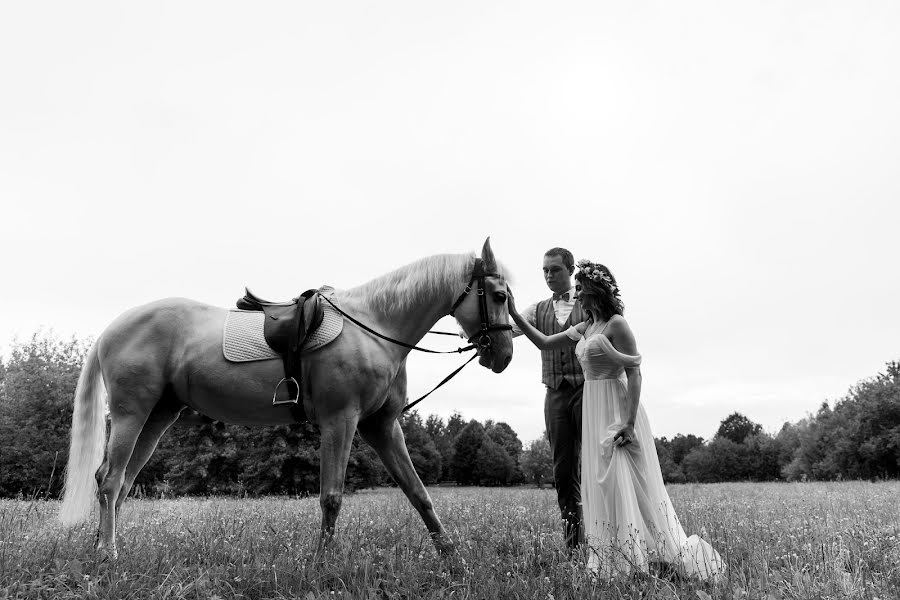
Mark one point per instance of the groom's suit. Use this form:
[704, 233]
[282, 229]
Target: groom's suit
[562, 375]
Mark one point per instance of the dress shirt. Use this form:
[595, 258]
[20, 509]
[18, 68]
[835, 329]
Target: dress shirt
[561, 308]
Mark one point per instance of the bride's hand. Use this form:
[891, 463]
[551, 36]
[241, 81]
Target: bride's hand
[625, 436]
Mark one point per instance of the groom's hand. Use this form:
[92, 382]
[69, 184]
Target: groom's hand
[510, 300]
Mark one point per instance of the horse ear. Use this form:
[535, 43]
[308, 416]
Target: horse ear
[487, 255]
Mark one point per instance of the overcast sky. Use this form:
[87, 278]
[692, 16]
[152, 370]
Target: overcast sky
[734, 164]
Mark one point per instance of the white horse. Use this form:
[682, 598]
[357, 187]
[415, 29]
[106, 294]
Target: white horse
[160, 358]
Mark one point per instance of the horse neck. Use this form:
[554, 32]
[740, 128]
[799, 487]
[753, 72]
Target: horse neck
[409, 301]
[411, 323]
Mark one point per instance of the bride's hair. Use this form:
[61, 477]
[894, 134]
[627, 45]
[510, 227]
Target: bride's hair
[603, 286]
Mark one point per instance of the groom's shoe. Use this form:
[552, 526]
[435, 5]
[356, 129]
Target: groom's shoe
[572, 525]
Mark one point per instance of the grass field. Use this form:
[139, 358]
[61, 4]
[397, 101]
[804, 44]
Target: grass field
[810, 540]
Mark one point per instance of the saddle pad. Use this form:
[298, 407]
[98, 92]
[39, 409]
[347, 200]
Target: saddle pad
[243, 340]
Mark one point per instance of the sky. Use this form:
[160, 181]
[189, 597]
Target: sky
[734, 164]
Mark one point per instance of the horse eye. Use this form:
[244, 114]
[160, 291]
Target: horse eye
[500, 296]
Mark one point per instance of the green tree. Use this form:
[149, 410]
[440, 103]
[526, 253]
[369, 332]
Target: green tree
[465, 453]
[762, 458]
[755, 459]
[365, 469]
[736, 427]
[682, 444]
[788, 440]
[265, 451]
[504, 435]
[436, 429]
[36, 398]
[493, 465]
[858, 438]
[455, 425]
[671, 471]
[537, 461]
[197, 459]
[422, 449]
[720, 460]
[816, 455]
[873, 409]
[216, 458]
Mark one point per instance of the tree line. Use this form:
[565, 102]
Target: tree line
[858, 437]
[37, 387]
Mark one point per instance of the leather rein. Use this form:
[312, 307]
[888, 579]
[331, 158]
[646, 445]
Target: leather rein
[480, 339]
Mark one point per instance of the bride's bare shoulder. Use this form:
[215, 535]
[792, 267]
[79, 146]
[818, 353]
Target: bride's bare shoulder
[618, 328]
[617, 322]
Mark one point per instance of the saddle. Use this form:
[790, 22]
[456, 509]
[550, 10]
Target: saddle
[287, 325]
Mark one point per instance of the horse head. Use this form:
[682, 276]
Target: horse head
[484, 315]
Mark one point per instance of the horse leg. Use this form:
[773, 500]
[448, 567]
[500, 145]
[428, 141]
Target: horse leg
[386, 437]
[334, 452]
[124, 432]
[163, 416]
[129, 407]
[99, 476]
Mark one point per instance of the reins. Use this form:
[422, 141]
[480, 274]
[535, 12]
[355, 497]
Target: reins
[412, 347]
[443, 381]
[482, 343]
[398, 342]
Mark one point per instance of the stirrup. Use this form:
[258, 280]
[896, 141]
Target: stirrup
[286, 380]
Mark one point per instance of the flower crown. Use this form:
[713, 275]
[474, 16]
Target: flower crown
[595, 273]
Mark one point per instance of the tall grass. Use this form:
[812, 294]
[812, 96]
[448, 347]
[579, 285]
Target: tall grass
[838, 540]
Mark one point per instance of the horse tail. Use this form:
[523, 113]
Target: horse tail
[87, 440]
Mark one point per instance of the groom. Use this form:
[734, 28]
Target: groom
[564, 380]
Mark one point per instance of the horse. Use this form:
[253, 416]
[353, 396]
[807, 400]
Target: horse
[156, 360]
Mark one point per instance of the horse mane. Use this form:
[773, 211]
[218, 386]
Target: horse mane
[427, 277]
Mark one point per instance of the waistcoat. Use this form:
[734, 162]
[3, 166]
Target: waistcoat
[558, 365]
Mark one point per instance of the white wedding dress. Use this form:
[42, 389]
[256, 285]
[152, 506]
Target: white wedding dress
[628, 518]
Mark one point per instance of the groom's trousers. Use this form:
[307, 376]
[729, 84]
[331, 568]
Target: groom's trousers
[562, 415]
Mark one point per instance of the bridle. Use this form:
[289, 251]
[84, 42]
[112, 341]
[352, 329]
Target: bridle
[481, 338]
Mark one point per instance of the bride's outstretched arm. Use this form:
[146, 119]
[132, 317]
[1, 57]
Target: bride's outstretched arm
[544, 342]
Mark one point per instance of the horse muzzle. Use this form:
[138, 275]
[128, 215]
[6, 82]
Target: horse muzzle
[495, 356]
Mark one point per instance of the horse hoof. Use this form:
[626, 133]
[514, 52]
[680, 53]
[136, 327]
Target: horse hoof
[444, 545]
[107, 555]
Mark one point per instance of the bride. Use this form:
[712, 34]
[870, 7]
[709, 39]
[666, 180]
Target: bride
[629, 522]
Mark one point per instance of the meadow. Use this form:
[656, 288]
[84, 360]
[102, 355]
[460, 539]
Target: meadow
[804, 540]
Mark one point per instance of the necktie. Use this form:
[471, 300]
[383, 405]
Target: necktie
[564, 296]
